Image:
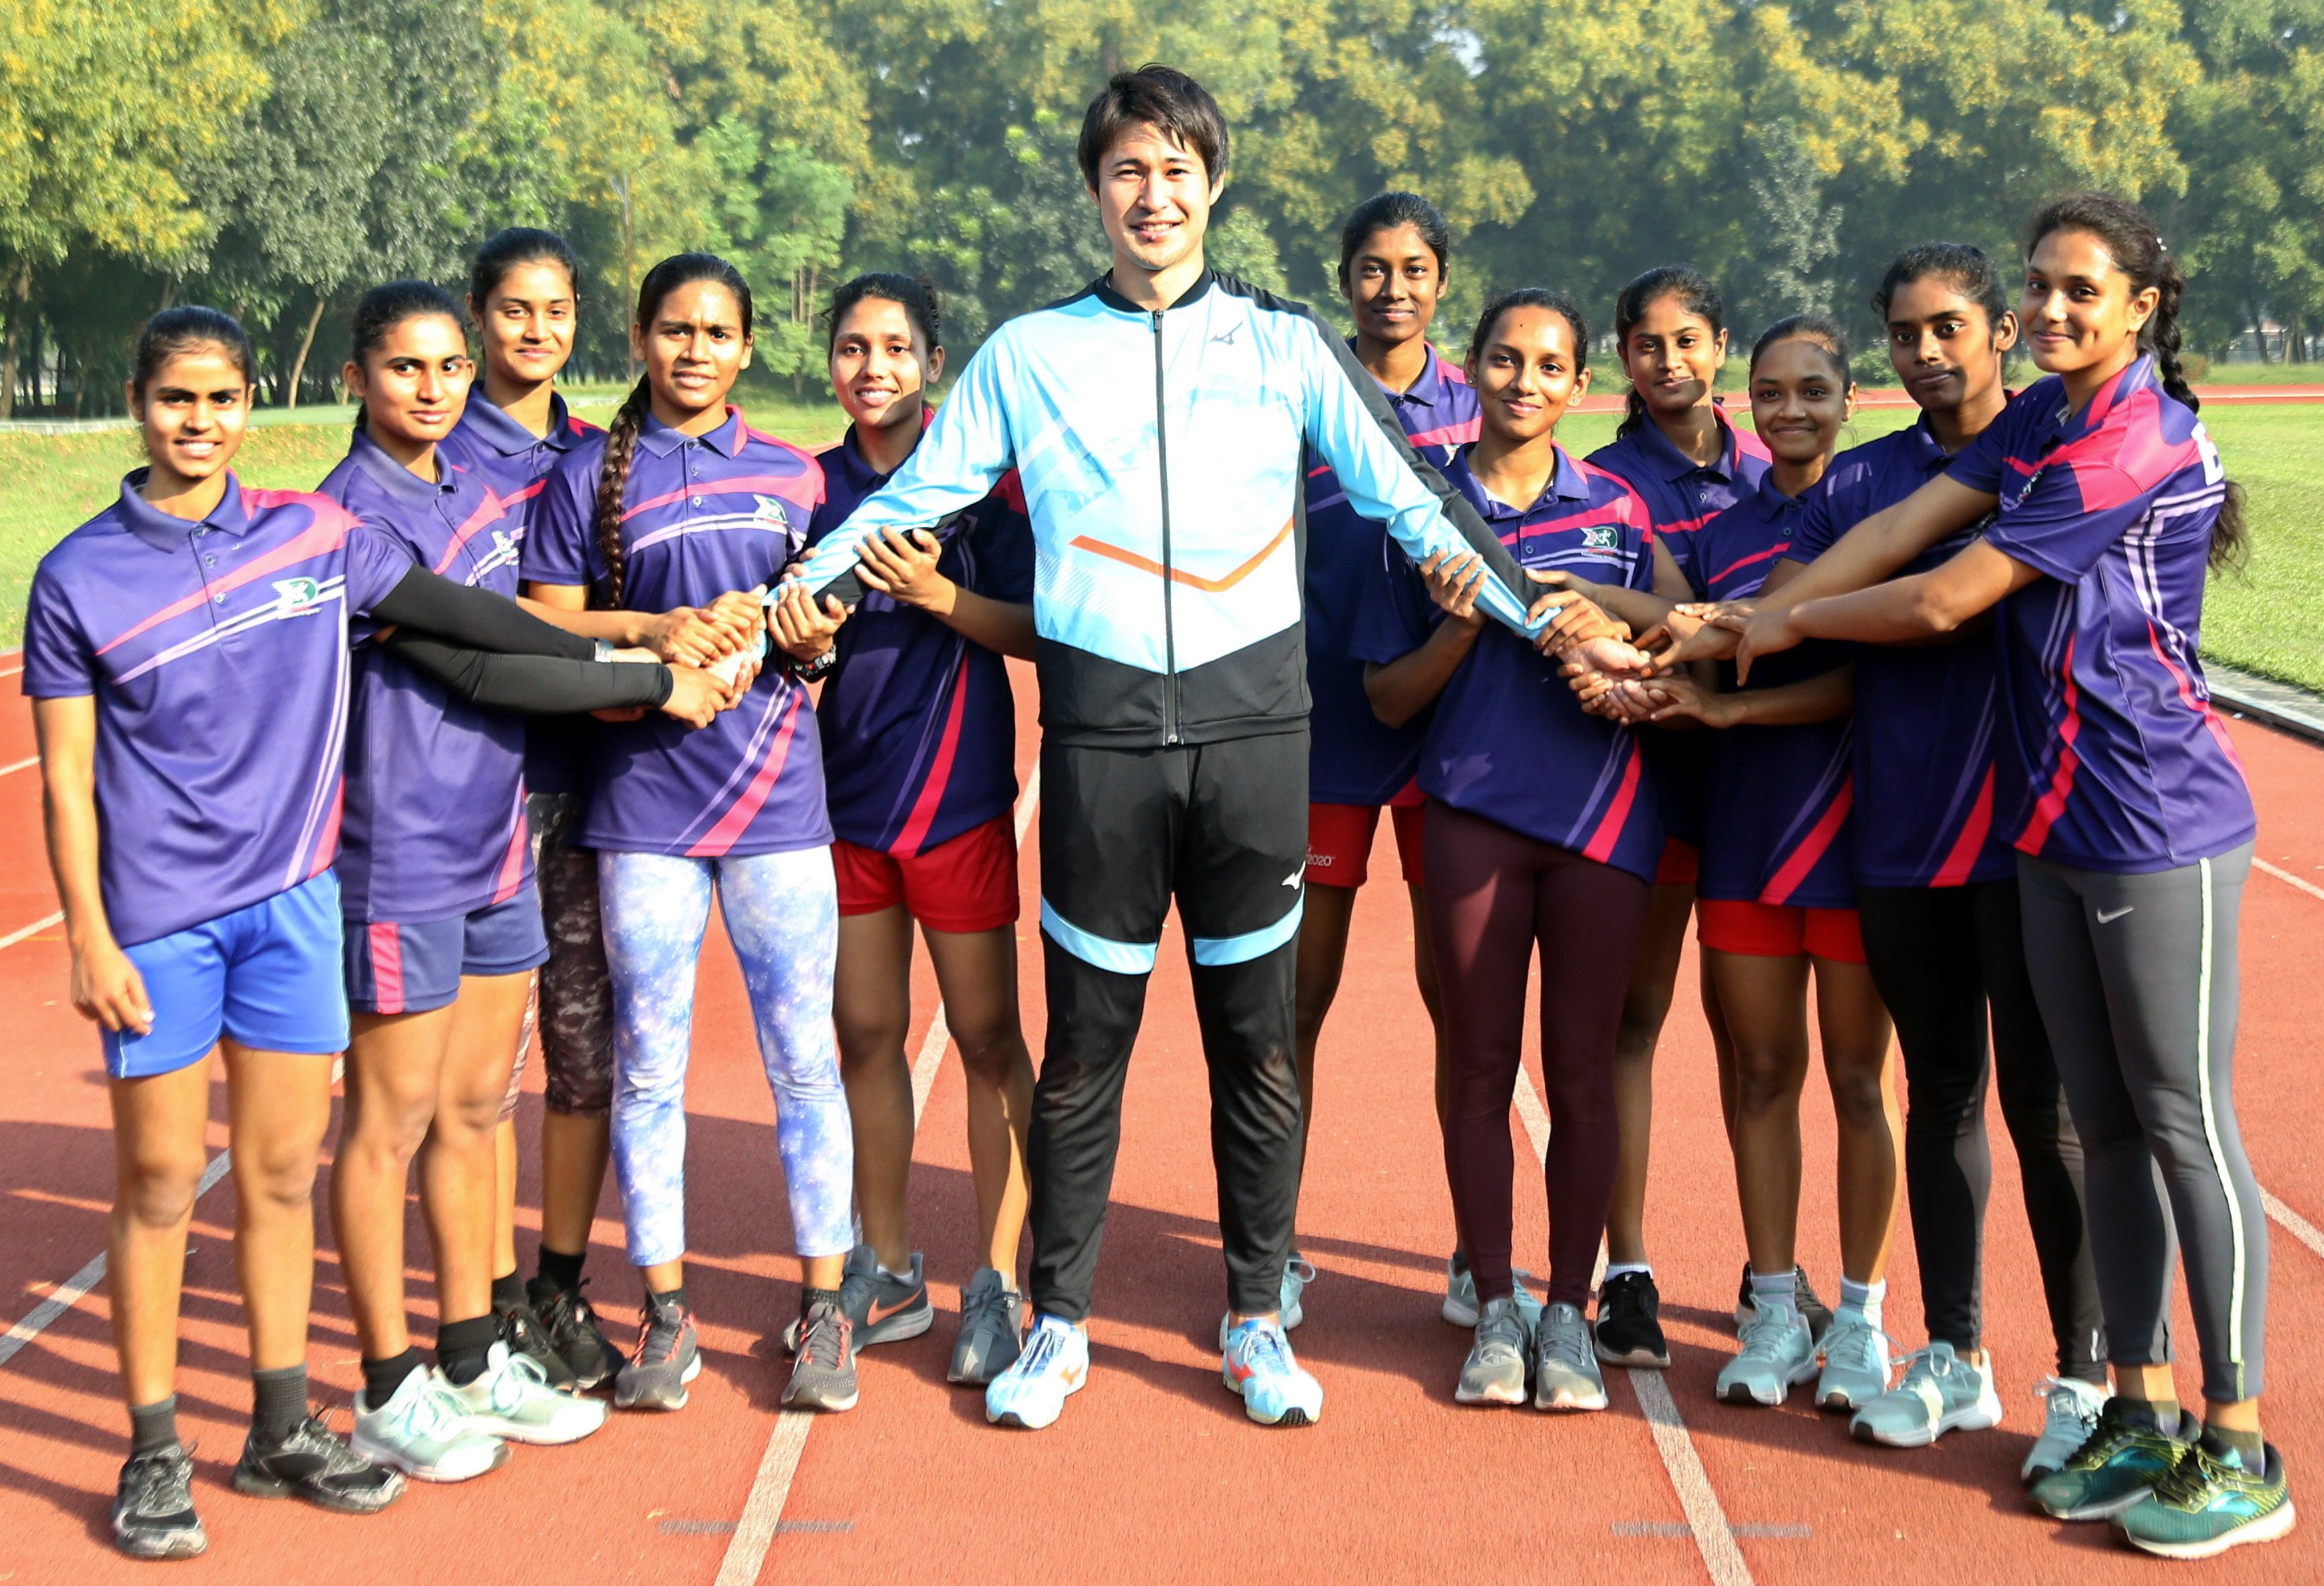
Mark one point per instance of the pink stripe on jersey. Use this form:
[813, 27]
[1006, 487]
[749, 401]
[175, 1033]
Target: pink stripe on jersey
[512, 874]
[737, 818]
[386, 968]
[1962, 858]
[792, 489]
[327, 534]
[1459, 434]
[2053, 802]
[932, 791]
[489, 511]
[1602, 841]
[327, 842]
[1803, 858]
[1757, 556]
[2211, 721]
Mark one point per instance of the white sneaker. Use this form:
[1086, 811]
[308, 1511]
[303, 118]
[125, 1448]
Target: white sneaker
[514, 1399]
[1940, 1392]
[1051, 1368]
[1778, 1354]
[2070, 1409]
[423, 1430]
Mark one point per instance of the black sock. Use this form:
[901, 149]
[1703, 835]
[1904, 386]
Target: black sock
[811, 1297]
[508, 1291]
[278, 1402]
[2249, 1446]
[382, 1377]
[462, 1346]
[153, 1427]
[560, 1271]
[668, 1296]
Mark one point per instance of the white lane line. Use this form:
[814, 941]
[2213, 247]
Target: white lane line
[38, 926]
[67, 1294]
[1706, 1518]
[27, 763]
[2288, 879]
[2291, 1221]
[770, 1488]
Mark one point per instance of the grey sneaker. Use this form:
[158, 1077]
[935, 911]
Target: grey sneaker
[423, 1431]
[1855, 1365]
[669, 1356]
[823, 1378]
[153, 1506]
[1495, 1370]
[2069, 1411]
[879, 1309]
[1460, 1306]
[1940, 1393]
[313, 1462]
[513, 1400]
[1812, 1309]
[991, 1329]
[1565, 1374]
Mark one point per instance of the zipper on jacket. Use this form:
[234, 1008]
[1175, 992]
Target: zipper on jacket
[1162, 474]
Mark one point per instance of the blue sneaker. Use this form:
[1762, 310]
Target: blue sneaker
[2207, 1504]
[1275, 1391]
[1051, 1368]
[1298, 1272]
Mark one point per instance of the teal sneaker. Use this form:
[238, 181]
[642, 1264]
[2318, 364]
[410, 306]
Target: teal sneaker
[1258, 1365]
[1778, 1355]
[423, 1430]
[1051, 1368]
[1940, 1392]
[512, 1400]
[2070, 1408]
[1855, 1364]
[2207, 1504]
[2118, 1463]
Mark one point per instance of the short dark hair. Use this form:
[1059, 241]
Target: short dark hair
[1160, 97]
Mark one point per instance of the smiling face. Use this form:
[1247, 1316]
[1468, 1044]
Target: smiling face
[1154, 198]
[414, 384]
[880, 366]
[1392, 283]
[1526, 373]
[695, 348]
[193, 411]
[1673, 355]
[1941, 344]
[527, 325]
[2080, 311]
[1799, 400]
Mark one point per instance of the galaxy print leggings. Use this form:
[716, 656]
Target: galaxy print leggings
[782, 914]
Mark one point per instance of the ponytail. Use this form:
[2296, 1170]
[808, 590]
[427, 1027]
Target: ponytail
[613, 484]
[2137, 250]
[383, 307]
[1696, 295]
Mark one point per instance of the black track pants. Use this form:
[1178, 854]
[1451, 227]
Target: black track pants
[1223, 827]
[1942, 957]
[2136, 977]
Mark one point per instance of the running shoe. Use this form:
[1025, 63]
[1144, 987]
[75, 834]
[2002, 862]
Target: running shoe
[1855, 1365]
[2209, 1503]
[423, 1431]
[574, 1332]
[823, 1378]
[1298, 1274]
[1258, 1364]
[153, 1506]
[1939, 1392]
[513, 1400]
[2118, 1463]
[1495, 1370]
[521, 1329]
[669, 1356]
[314, 1462]
[880, 1308]
[1778, 1355]
[1629, 1331]
[2070, 1408]
[1565, 1374]
[992, 1329]
[1461, 1293]
[1053, 1367]
[1803, 1300]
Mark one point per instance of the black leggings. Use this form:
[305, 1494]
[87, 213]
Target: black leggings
[1941, 957]
[1492, 894]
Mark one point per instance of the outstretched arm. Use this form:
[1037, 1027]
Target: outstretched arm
[1904, 611]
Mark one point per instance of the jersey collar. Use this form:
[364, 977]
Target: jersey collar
[1566, 483]
[1676, 465]
[1102, 290]
[401, 482]
[2135, 375]
[158, 528]
[726, 440]
[493, 425]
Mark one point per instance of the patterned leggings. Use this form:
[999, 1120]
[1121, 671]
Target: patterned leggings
[782, 914]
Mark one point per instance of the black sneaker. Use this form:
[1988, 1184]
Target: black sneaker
[154, 1507]
[823, 1378]
[669, 1356]
[574, 1332]
[1817, 1314]
[1629, 1330]
[991, 1328]
[316, 1463]
[521, 1328]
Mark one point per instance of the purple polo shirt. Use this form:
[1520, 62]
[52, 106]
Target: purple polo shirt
[701, 515]
[435, 823]
[1352, 756]
[515, 462]
[2112, 758]
[217, 655]
[1775, 824]
[1509, 740]
[1924, 713]
[918, 723]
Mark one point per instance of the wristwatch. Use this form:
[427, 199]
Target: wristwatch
[809, 670]
[604, 650]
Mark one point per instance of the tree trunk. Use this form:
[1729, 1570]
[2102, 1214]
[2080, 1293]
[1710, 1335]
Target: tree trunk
[19, 296]
[169, 296]
[2259, 332]
[306, 345]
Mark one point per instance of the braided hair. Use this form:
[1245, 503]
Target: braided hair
[621, 436]
[2130, 240]
[1696, 295]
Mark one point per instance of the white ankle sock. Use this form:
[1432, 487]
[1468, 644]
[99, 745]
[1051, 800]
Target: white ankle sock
[1862, 1300]
[1624, 1268]
[1773, 1293]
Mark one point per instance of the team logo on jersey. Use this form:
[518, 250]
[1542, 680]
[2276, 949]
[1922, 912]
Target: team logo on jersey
[773, 511]
[296, 597]
[1598, 537]
[503, 553]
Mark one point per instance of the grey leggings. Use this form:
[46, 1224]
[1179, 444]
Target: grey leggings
[2135, 975]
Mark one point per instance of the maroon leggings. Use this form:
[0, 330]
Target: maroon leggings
[1493, 893]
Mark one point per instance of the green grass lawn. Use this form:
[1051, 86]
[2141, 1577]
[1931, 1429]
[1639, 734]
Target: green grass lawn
[2269, 620]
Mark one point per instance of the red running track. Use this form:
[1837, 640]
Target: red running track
[1153, 1474]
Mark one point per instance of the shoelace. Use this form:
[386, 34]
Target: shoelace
[658, 1330]
[165, 1486]
[436, 1411]
[1568, 1345]
[822, 1337]
[518, 1380]
[985, 1308]
[1041, 1349]
[1263, 1349]
[1867, 1343]
[2061, 1399]
[1765, 1329]
[1300, 1270]
[1504, 1328]
[2195, 1469]
[2105, 1432]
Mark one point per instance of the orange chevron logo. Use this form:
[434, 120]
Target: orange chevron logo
[1179, 575]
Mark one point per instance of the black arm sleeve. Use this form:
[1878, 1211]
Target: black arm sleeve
[540, 685]
[475, 618]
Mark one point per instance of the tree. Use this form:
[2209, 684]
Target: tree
[1800, 235]
[780, 213]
